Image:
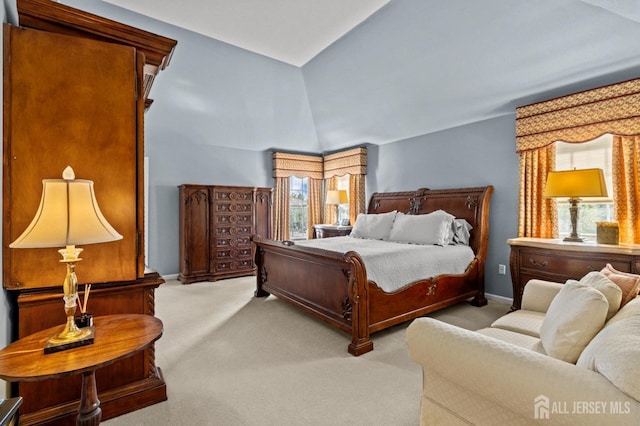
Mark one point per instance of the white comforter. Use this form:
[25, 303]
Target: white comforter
[393, 266]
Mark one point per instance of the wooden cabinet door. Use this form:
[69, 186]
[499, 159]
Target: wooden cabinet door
[195, 249]
[70, 101]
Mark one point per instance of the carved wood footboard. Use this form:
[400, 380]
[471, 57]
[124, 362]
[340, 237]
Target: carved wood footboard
[334, 288]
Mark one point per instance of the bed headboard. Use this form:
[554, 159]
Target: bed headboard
[471, 204]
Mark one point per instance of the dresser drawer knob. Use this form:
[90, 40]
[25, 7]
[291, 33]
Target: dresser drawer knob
[536, 263]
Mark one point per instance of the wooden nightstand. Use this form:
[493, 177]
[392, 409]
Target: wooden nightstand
[555, 260]
[325, 231]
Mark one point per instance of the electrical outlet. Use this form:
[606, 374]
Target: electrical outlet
[502, 269]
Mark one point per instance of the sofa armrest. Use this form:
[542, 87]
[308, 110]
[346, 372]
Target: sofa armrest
[538, 294]
[505, 374]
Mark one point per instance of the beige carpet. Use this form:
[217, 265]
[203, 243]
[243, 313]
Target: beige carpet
[231, 359]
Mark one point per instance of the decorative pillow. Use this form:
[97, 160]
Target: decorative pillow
[628, 283]
[461, 232]
[373, 226]
[575, 315]
[615, 351]
[607, 287]
[430, 228]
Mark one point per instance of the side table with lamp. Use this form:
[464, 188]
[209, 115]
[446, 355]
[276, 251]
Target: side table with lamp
[68, 215]
[572, 257]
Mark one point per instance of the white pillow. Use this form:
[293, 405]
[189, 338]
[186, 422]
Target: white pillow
[430, 228]
[373, 226]
[604, 285]
[461, 232]
[615, 351]
[575, 315]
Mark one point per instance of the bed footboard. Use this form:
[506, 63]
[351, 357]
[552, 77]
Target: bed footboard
[329, 286]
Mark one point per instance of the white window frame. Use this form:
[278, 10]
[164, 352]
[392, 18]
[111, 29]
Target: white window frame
[304, 209]
[596, 153]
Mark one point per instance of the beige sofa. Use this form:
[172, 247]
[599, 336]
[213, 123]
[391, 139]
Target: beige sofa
[504, 374]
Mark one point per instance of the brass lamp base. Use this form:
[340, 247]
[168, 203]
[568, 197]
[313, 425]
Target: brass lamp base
[63, 341]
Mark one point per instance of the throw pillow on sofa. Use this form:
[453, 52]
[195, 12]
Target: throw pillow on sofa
[575, 316]
[604, 285]
[628, 283]
[615, 351]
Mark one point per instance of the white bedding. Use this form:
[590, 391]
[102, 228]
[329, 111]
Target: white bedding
[394, 266]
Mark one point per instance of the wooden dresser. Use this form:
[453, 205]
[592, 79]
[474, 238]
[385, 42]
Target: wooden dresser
[555, 260]
[216, 225]
[75, 92]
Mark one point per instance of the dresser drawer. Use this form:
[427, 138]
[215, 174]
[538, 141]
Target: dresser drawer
[570, 265]
[238, 219]
[232, 231]
[235, 195]
[234, 265]
[240, 241]
[233, 253]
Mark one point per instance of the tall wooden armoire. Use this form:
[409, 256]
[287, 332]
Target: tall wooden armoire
[75, 92]
[216, 225]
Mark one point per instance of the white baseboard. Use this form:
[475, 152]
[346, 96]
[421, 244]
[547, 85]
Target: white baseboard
[500, 299]
[170, 277]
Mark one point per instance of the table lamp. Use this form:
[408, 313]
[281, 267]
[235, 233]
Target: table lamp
[575, 184]
[337, 197]
[68, 215]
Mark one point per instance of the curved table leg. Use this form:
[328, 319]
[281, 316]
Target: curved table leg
[89, 412]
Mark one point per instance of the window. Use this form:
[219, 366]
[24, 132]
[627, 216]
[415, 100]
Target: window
[343, 209]
[593, 154]
[298, 212]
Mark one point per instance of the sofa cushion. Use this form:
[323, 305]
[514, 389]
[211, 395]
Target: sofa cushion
[615, 351]
[604, 285]
[521, 321]
[518, 339]
[628, 283]
[575, 315]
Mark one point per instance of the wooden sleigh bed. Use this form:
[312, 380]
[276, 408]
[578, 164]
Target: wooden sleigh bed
[334, 288]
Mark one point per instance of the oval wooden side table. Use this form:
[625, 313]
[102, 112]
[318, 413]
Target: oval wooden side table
[116, 337]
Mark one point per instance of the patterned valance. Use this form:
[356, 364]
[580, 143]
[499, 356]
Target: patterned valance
[286, 165]
[352, 161]
[580, 117]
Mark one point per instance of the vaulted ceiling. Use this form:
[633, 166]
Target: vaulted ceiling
[292, 31]
[379, 71]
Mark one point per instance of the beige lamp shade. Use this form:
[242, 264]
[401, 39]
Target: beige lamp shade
[337, 197]
[68, 215]
[576, 183]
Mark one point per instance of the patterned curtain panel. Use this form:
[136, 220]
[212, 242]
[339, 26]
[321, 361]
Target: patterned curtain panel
[626, 187]
[580, 117]
[281, 209]
[357, 202]
[315, 205]
[537, 215]
[330, 211]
